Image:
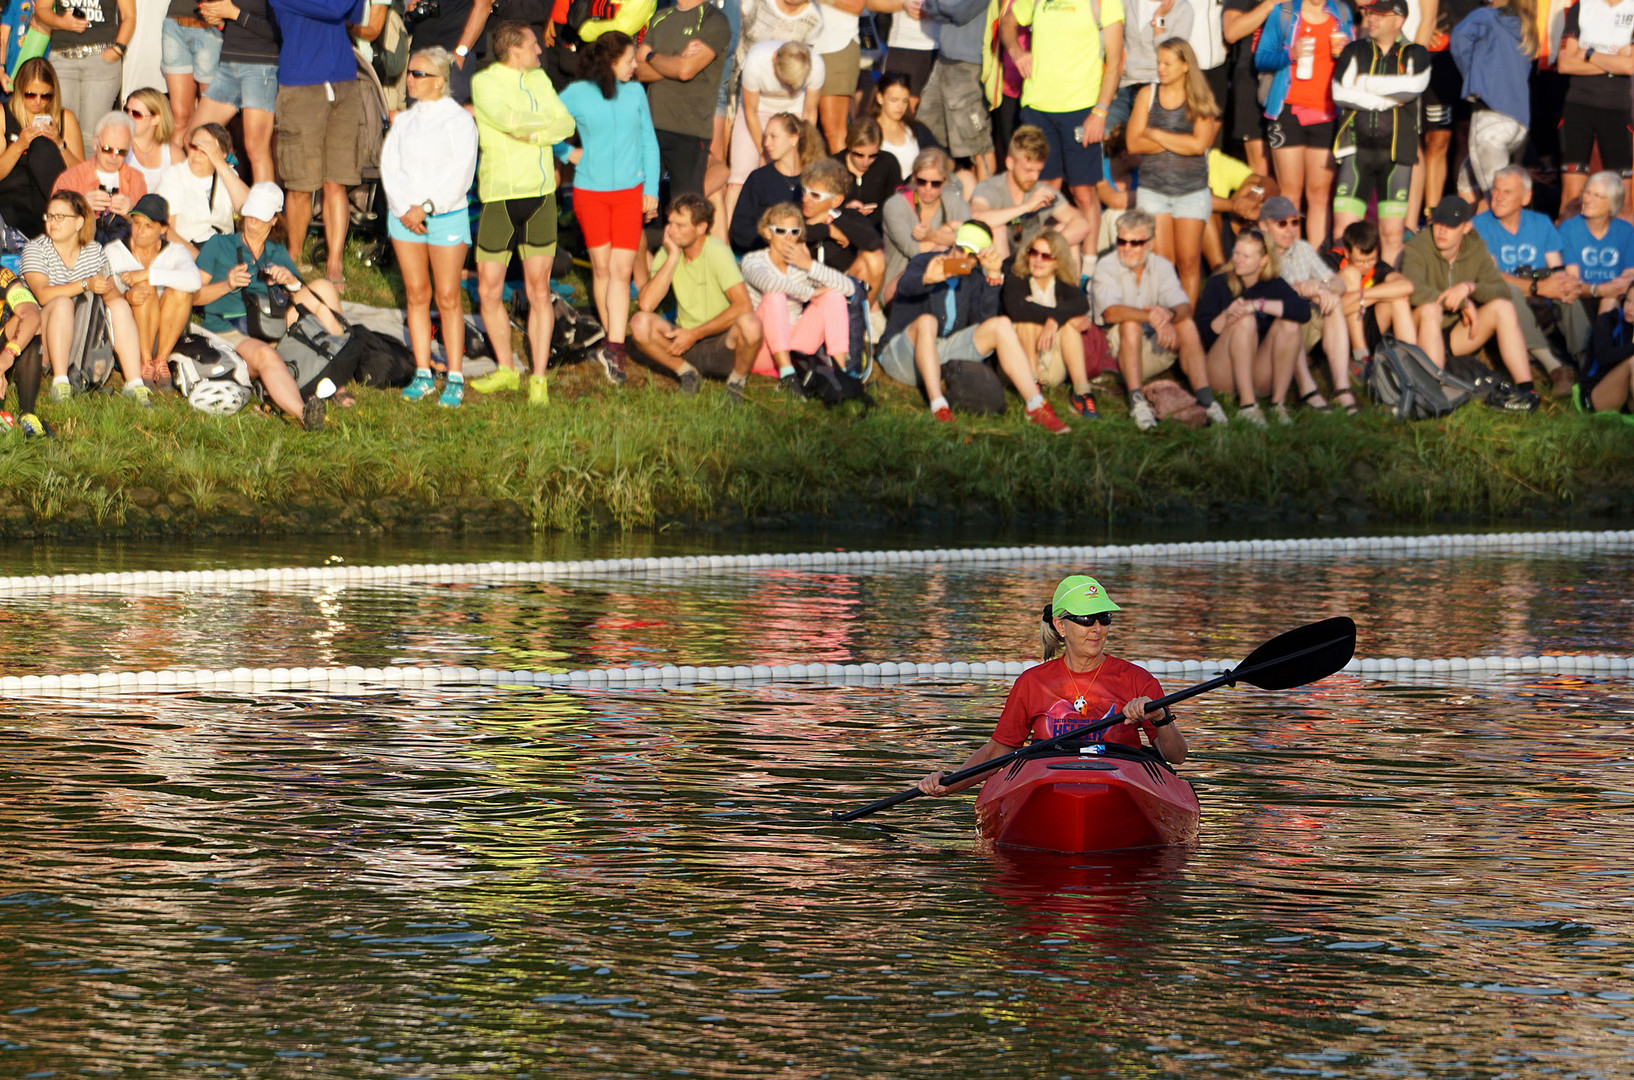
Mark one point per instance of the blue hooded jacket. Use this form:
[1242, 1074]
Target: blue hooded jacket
[1486, 46]
[1272, 54]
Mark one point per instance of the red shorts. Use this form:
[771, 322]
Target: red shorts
[609, 217]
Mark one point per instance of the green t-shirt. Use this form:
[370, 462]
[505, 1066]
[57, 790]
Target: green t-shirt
[700, 284]
[1067, 53]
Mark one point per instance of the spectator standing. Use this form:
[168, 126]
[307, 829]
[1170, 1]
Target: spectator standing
[1016, 204]
[1250, 319]
[1147, 25]
[952, 106]
[1527, 247]
[246, 79]
[1461, 302]
[1300, 43]
[875, 175]
[839, 48]
[1443, 108]
[452, 25]
[426, 165]
[1597, 57]
[948, 311]
[64, 265]
[159, 281]
[800, 301]
[1041, 297]
[773, 20]
[1071, 70]
[150, 146]
[910, 45]
[204, 192]
[778, 76]
[1599, 244]
[519, 121]
[616, 185]
[682, 61]
[925, 216]
[1377, 82]
[1243, 21]
[42, 140]
[88, 52]
[789, 145]
[190, 54]
[1173, 126]
[318, 119]
[716, 331]
[1495, 49]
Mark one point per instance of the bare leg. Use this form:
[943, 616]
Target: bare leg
[1572, 183]
[998, 335]
[495, 320]
[415, 266]
[541, 315]
[1192, 360]
[1318, 194]
[1290, 166]
[184, 93]
[337, 218]
[58, 335]
[1497, 318]
[1188, 247]
[1129, 349]
[925, 360]
[258, 144]
[648, 332]
[1427, 323]
[146, 314]
[298, 216]
[447, 263]
[621, 263]
[123, 325]
[833, 110]
[1615, 390]
[1283, 343]
[1437, 142]
[600, 267]
[744, 338]
[1071, 337]
[266, 366]
[175, 309]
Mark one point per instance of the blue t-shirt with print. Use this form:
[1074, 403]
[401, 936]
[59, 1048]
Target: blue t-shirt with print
[1533, 239]
[1598, 260]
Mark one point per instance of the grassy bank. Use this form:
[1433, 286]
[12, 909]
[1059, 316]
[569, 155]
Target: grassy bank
[644, 458]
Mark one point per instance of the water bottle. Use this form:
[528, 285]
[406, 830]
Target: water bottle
[1307, 59]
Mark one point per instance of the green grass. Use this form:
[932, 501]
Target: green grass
[646, 458]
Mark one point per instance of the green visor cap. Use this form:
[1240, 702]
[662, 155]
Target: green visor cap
[1080, 595]
[973, 237]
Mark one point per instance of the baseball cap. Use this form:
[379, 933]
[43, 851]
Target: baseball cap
[1387, 7]
[973, 237]
[154, 208]
[1451, 210]
[1081, 595]
[1278, 208]
[263, 202]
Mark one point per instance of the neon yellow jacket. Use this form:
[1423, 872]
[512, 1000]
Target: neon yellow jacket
[519, 119]
[632, 18]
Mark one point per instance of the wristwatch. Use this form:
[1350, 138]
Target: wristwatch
[462, 50]
[431, 211]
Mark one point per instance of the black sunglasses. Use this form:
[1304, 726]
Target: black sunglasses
[415, 73]
[1103, 618]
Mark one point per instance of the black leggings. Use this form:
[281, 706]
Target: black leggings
[25, 372]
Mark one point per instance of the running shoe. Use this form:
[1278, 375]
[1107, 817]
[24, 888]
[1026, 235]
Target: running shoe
[33, 427]
[61, 393]
[734, 391]
[1044, 416]
[611, 366]
[312, 414]
[139, 394]
[1279, 410]
[690, 382]
[422, 386]
[790, 385]
[1216, 415]
[1083, 405]
[1251, 414]
[1140, 410]
[498, 381]
[453, 393]
[538, 391]
[1520, 401]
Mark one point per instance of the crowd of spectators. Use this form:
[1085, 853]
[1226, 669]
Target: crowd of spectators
[1237, 198]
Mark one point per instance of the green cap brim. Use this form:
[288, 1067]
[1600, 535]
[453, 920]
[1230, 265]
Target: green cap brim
[1081, 595]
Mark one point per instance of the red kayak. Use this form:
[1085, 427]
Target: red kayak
[1106, 798]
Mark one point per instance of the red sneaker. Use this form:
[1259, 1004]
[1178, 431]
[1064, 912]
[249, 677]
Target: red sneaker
[1045, 417]
[944, 414]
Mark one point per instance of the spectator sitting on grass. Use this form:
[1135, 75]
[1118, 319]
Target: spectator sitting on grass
[1599, 244]
[64, 265]
[800, 301]
[716, 331]
[159, 280]
[1148, 319]
[947, 312]
[923, 216]
[1461, 302]
[1249, 319]
[1607, 385]
[203, 192]
[837, 235]
[20, 317]
[1051, 314]
[110, 185]
[1300, 266]
[1016, 204]
[872, 172]
[790, 145]
[1375, 295]
[240, 268]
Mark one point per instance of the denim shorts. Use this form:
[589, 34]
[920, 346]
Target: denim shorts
[897, 358]
[245, 86]
[442, 230]
[190, 50]
[1196, 205]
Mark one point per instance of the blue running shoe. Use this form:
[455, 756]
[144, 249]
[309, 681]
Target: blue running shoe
[453, 392]
[422, 386]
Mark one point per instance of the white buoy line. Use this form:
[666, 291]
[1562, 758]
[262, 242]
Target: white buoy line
[338, 576]
[1454, 670]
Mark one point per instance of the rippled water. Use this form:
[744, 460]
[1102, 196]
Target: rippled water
[1390, 880]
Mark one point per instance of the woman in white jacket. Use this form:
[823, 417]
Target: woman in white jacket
[426, 165]
[800, 301]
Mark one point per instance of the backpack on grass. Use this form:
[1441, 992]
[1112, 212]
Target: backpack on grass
[91, 361]
[1403, 379]
[821, 379]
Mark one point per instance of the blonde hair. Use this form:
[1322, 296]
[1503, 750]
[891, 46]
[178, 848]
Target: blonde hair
[38, 69]
[1268, 269]
[1058, 248]
[1200, 103]
[808, 140]
[1527, 12]
[1050, 641]
[792, 64]
[441, 61]
[159, 106]
[783, 211]
[936, 158]
[1029, 142]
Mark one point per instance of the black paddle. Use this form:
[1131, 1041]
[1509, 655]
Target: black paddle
[1302, 655]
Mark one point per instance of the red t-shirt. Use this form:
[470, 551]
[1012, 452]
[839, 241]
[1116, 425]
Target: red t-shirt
[1316, 93]
[1045, 701]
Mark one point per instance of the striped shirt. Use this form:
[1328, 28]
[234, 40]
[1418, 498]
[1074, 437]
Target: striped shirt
[40, 257]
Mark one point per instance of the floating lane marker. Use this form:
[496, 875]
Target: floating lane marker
[298, 577]
[1455, 670]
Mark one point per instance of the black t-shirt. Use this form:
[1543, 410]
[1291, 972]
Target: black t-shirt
[103, 15]
[1216, 297]
[876, 185]
[1019, 305]
[763, 189]
[252, 37]
[1598, 25]
[444, 28]
[1242, 52]
[859, 235]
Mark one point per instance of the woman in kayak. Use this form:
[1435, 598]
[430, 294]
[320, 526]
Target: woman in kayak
[1077, 684]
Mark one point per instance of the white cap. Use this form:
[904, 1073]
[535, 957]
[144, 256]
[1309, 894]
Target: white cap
[263, 202]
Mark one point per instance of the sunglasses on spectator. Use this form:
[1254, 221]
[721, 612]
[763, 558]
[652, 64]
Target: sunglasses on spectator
[786, 230]
[1047, 256]
[106, 149]
[35, 95]
[1103, 618]
[1142, 242]
[813, 193]
[417, 74]
[137, 114]
[922, 182]
[858, 154]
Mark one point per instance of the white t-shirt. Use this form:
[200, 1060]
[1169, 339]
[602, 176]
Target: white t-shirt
[908, 32]
[151, 176]
[196, 216]
[839, 30]
[759, 76]
[904, 152]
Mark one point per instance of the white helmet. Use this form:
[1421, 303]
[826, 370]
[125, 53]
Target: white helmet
[218, 397]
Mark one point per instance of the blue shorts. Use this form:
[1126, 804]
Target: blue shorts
[189, 50]
[1197, 205]
[1080, 164]
[442, 230]
[245, 86]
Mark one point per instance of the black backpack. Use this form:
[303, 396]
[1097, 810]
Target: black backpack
[820, 379]
[383, 361]
[1403, 379]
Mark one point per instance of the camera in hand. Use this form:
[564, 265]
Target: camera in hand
[422, 10]
[958, 263]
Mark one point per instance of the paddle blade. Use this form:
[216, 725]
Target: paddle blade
[1302, 655]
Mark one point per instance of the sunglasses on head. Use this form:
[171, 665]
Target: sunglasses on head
[786, 230]
[1101, 618]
